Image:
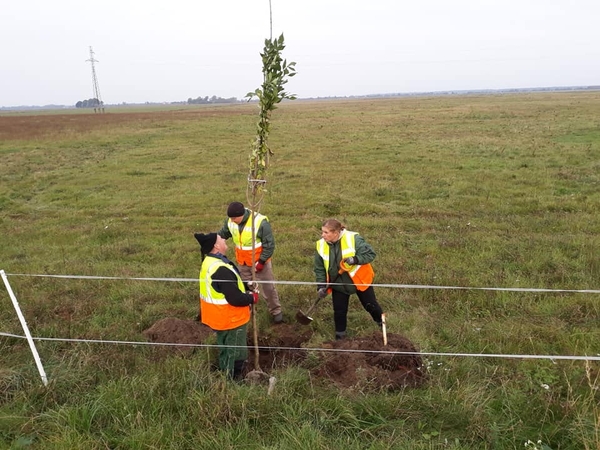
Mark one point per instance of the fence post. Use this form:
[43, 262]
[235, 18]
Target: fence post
[36, 356]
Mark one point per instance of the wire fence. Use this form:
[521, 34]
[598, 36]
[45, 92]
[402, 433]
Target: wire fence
[385, 285]
[319, 349]
[31, 339]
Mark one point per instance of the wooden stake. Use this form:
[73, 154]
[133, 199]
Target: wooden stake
[255, 336]
[383, 329]
[272, 381]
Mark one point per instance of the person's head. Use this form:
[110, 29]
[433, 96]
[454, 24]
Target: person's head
[211, 243]
[236, 211]
[331, 230]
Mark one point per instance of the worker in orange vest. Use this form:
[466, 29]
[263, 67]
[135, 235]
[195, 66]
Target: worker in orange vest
[342, 267]
[238, 226]
[225, 302]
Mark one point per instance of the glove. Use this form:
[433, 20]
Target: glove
[252, 286]
[322, 292]
[259, 266]
[351, 261]
[254, 297]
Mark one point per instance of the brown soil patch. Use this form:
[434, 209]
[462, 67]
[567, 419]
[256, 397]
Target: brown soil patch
[361, 363]
[36, 125]
[365, 363]
[279, 346]
[177, 331]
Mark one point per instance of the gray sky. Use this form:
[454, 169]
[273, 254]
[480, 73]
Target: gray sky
[170, 50]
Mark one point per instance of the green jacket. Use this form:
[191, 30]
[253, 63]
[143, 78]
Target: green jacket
[364, 253]
[264, 233]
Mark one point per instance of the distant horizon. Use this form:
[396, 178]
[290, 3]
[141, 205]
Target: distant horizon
[153, 51]
[383, 94]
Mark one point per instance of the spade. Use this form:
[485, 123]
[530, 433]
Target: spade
[305, 319]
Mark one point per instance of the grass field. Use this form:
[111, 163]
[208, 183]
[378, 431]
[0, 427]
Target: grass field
[465, 191]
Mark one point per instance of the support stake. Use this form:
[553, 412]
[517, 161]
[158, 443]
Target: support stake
[36, 356]
[383, 329]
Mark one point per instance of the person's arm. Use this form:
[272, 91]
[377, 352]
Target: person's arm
[364, 252]
[224, 231]
[229, 287]
[319, 269]
[265, 234]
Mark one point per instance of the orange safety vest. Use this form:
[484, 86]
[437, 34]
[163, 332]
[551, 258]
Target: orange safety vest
[243, 240]
[362, 275]
[215, 311]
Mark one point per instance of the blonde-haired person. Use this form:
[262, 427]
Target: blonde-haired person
[342, 267]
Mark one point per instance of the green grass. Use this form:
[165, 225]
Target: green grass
[479, 191]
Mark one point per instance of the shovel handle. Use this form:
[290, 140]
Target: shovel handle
[313, 306]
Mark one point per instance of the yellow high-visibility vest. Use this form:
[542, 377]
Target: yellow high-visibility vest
[361, 274]
[243, 240]
[215, 311]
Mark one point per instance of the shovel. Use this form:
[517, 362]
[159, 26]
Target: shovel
[305, 319]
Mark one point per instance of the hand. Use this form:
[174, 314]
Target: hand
[252, 286]
[322, 292]
[254, 297]
[351, 261]
[259, 266]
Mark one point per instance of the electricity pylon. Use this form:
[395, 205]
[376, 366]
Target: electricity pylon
[99, 105]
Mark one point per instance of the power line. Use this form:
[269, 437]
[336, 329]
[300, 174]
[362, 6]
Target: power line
[99, 104]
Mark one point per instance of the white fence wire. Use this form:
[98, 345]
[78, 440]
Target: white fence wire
[31, 339]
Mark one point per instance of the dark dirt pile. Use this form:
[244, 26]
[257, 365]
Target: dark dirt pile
[366, 363]
[362, 362]
[177, 331]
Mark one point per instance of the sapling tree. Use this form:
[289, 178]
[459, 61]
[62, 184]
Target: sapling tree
[276, 72]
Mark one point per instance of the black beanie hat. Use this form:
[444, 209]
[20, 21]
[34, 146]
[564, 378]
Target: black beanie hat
[206, 241]
[235, 209]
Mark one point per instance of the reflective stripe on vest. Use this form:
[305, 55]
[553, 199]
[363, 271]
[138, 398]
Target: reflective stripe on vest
[243, 241]
[361, 274]
[215, 311]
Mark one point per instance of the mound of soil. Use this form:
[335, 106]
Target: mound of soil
[362, 362]
[177, 331]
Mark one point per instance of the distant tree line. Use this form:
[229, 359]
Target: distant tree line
[89, 103]
[213, 99]
[94, 103]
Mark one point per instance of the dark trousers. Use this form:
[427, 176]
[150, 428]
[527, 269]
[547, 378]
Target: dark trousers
[232, 348]
[340, 307]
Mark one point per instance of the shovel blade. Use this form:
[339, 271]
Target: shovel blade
[303, 318]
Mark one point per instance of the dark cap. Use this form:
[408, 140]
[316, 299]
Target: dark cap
[206, 241]
[235, 209]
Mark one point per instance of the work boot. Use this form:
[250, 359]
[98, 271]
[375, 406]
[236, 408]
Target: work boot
[278, 318]
[339, 335]
[239, 369]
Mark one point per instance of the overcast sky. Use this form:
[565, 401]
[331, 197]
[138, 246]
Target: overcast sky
[170, 50]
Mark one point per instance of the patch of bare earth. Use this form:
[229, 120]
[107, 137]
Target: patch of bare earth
[177, 331]
[366, 363]
[362, 362]
[40, 126]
